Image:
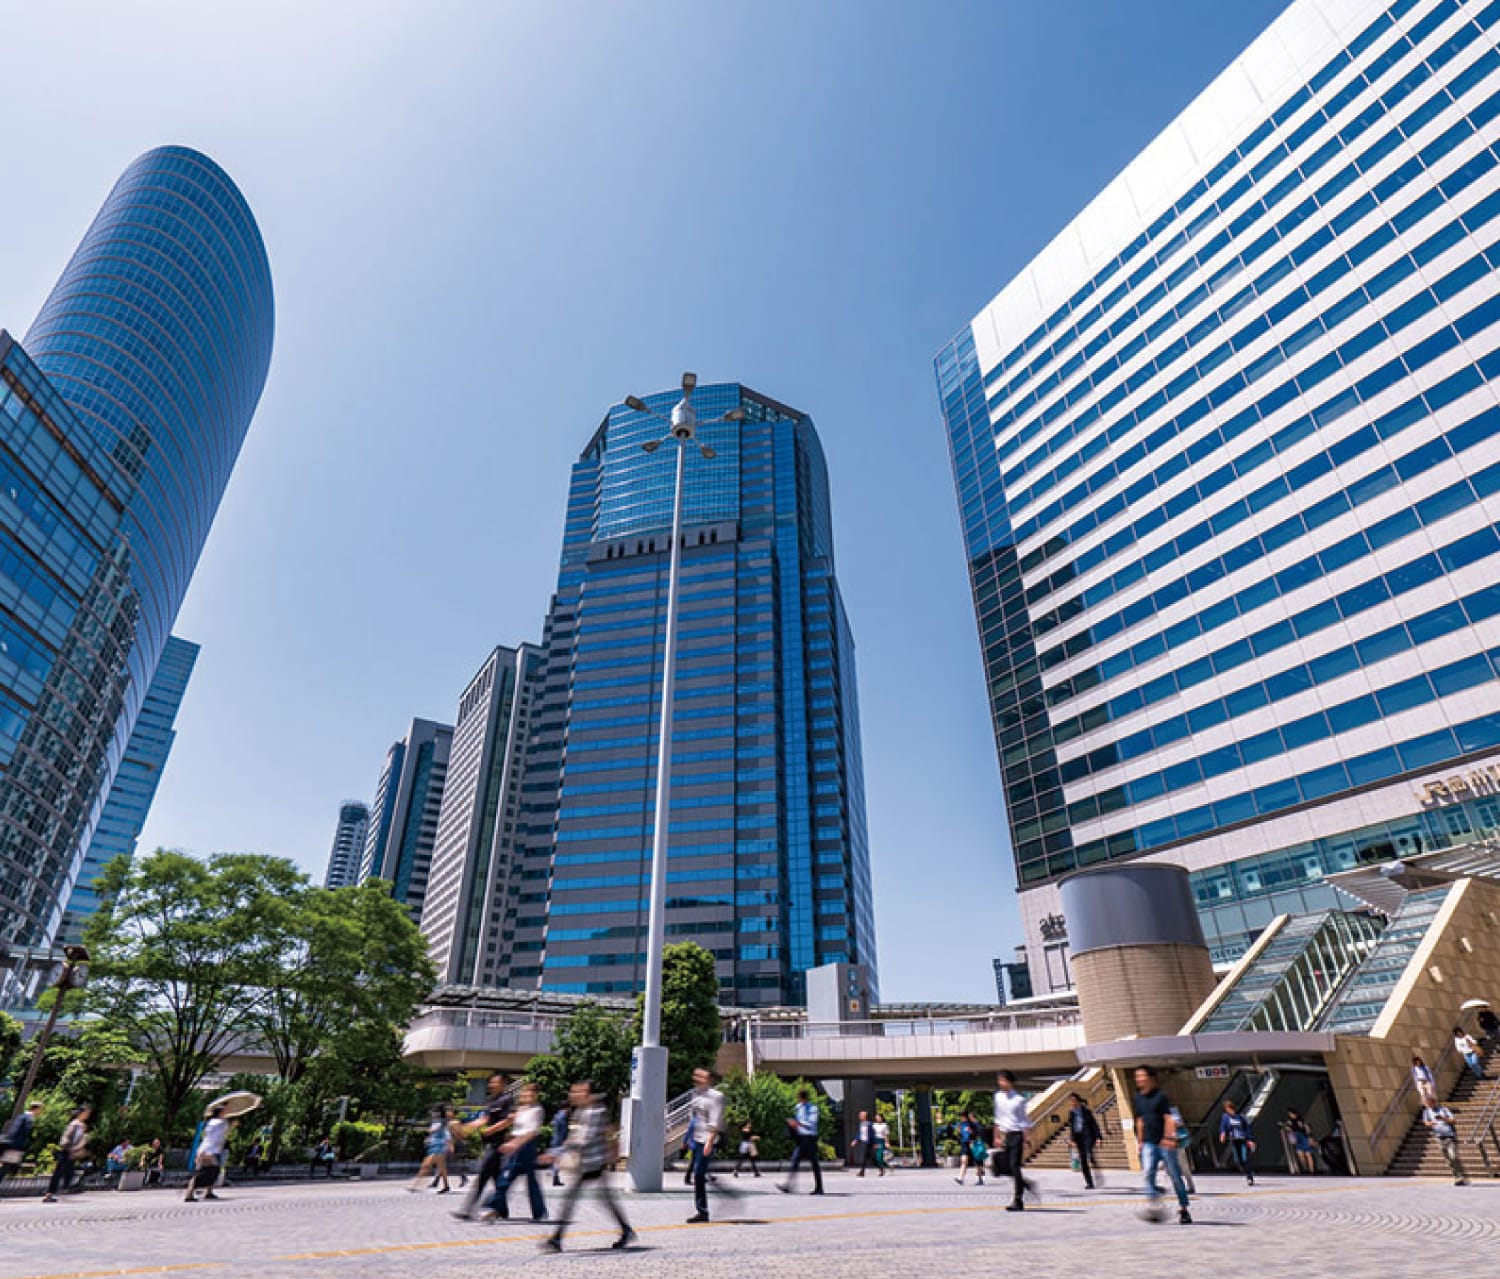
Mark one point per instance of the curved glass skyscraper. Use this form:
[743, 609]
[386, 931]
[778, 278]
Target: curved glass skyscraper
[120, 422]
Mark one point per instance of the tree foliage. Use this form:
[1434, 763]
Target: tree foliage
[591, 1044]
[767, 1102]
[690, 1028]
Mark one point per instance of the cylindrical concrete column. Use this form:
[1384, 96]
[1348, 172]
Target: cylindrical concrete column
[1139, 960]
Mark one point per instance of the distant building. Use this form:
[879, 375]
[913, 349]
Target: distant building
[473, 891]
[404, 817]
[348, 845]
[136, 780]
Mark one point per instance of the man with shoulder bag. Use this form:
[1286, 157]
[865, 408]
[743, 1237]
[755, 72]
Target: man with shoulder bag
[16, 1139]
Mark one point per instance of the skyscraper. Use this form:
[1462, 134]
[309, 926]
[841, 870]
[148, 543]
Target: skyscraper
[769, 864]
[1228, 459]
[473, 892]
[136, 780]
[348, 845]
[404, 818]
[122, 418]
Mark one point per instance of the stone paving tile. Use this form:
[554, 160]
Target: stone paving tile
[919, 1223]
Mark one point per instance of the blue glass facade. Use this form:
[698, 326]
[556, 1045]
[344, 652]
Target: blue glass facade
[124, 814]
[769, 860]
[1227, 461]
[120, 421]
[403, 823]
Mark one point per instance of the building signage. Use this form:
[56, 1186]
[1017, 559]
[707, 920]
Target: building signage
[1053, 927]
[1457, 787]
[1213, 1072]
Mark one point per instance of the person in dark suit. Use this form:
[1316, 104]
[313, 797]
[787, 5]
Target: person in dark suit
[1083, 1136]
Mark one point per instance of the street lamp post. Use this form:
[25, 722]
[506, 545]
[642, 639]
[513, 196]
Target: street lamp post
[73, 976]
[648, 1067]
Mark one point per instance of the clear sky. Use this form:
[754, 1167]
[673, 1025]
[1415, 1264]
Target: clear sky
[487, 221]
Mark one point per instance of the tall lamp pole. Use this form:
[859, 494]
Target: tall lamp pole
[648, 1073]
[74, 975]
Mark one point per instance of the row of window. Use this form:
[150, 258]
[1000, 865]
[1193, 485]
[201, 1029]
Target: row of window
[1098, 371]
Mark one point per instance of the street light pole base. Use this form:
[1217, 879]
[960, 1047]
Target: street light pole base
[648, 1117]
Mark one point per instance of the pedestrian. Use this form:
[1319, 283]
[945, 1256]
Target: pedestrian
[210, 1156]
[519, 1152]
[882, 1143]
[323, 1156]
[1236, 1133]
[971, 1150]
[491, 1124]
[254, 1157]
[1158, 1144]
[15, 1140]
[559, 1139]
[749, 1149]
[1083, 1136]
[804, 1129]
[1439, 1121]
[71, 1148]
[1184, 1136]
[1300, 1135]
[707, 1107]
[117, 1161]
[587, 1154]
[155, 1161]
[435, 1148]
[1421, 1076]
[1489, 1026]
[1468, 1049]
[864, 1134]
[1013, 1135]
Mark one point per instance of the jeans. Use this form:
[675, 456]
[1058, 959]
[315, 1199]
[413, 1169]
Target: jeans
[806, 1149]
[1475, 1063]
[1240, 1150]
[520, 1164]
[699, 1172]
[1449, 1147]
[1155, 1157]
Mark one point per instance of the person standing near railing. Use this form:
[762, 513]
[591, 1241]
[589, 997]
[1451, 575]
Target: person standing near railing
[1421, 1076]
[1466, 1047]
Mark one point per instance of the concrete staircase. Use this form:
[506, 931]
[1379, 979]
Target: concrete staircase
[1419, 1155]
[1054, 1151]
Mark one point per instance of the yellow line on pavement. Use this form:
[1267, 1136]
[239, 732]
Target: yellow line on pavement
[133, 1270]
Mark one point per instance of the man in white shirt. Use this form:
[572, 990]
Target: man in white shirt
[707, 1111]
[210, 1156]
[1013, 1135]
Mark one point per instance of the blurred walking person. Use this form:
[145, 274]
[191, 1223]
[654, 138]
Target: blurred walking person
[1466, 1047]
[586, 1156]
[1155, 1134]
[1421, 1076]
[1083, 1136]
[1235, 1132]
[708, 1124]
[492, 1123]
[1439, 1121]
[971, 1150]
[1013, 1134]
[804, 1129]
[519, 1153]
[435, 1150]
[749, 1149]
[210, 1156]
[71, 1148]
[559, 1139]
[16, 1139]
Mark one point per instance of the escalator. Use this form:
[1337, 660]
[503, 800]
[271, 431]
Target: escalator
[1357, 1007]
[1264, 1096]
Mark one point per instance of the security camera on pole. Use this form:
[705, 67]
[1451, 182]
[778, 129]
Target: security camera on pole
[648, 1067]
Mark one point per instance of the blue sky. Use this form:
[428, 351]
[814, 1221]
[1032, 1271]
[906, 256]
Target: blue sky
[487, 222]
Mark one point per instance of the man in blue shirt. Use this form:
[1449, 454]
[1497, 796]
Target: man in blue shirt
[804, 1126]
[1156, 1135]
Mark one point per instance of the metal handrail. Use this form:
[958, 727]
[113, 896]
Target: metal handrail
[923, 1028]
[1397, 1102]
[1488, 1116]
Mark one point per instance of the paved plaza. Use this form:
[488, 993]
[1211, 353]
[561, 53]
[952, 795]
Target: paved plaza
[911, 1223]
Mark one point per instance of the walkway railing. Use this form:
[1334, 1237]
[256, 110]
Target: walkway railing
[488, 1019]
[919, 1027]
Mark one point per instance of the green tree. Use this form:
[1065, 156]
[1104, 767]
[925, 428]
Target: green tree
[767, 1102]
[182, 957]
[690, 1028]
[11, 1034]
[352, 969]
[590, 1044]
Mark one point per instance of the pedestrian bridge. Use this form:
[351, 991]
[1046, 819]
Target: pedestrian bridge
[892, 1049]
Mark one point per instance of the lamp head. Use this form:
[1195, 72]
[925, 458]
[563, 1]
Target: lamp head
[689, 383]
[708, 453]
[735, 415]
[650, 446]
[635, 402]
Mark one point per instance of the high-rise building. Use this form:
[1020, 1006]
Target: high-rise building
[404, 818]
[139, 774]
[121, 416]
[769, 864]
[473, 892]
[1228, 460]
[348, 845]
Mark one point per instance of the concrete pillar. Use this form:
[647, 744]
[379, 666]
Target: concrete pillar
[1139, 960]
[926, 1139]
[859, 1094]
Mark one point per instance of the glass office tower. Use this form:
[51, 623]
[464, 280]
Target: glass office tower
[769, 865]
[404, 819]
[129, 803]
[348, 845]
[1228, 459]
[121, 417]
